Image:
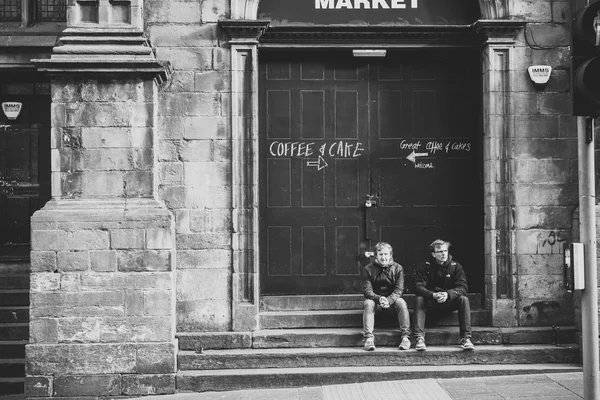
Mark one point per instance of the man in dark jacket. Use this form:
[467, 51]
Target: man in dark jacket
[441, 287]
[383, 288]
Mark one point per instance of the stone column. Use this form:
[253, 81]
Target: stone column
[102, 250]
[498, 71]
[245, 300]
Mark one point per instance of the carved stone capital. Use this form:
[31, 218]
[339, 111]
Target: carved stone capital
[103, 51]
[244, 30]
[499, 30]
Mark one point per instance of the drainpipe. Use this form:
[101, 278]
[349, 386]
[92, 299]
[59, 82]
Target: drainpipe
[589, 295]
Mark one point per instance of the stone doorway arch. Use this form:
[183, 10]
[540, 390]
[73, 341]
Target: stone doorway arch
[497, 34]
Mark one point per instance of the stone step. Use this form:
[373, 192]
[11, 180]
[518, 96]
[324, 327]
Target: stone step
[14, 314]
[335, 302]
[14, 297]
[12, 349]
[12, 368]
[19, 331]
[349, 318]
[14, 281]
[352, 337]
[12, 386]
[238, 379]
[381, 357]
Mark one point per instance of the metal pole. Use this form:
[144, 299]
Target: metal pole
[589, 295]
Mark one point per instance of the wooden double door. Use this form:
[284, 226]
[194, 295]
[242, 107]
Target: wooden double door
[359, 150]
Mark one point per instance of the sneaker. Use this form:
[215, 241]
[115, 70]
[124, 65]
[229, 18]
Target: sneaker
[370, 344]
[405, 344]
[420, 346]
[466, 344]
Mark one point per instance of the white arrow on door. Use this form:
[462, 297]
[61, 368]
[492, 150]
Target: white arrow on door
[413, 155]
[319, 163]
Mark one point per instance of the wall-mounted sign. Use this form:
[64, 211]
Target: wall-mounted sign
[11, 109]
[369, 12]
[539, 74]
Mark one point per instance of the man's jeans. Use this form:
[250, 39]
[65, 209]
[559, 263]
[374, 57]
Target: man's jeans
[399, 307]
[435, 309]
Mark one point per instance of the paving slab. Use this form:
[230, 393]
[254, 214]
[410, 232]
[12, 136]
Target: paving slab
[543, 386]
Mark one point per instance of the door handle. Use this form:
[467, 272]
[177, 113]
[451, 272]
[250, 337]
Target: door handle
[371, 202]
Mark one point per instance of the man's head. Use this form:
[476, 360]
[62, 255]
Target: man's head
[384, 253]
[439, 250]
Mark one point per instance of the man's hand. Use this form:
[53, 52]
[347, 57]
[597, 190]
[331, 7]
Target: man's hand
[384, 303]
[440, 297]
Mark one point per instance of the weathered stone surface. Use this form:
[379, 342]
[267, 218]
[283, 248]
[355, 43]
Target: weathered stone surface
[150, 280]
[196, 284]
[187, 35]
[159, 239]
[217, 259]
[174, 12]
[81, 330]
[215, 340]
[549, 34]
[43, 261]
[103, 261]
[205, 127]
[158, 303]
[148, 384]
[202, 315]
[170, 173]
[68, 261]
[43, 330]
[144, 260]
[44, 282]
[194, 151]
[202, 241]
[73, 359]
[136, 329]
[87, 385]
[39, 386]
[156, 358]
[61, 240]
[554, 309]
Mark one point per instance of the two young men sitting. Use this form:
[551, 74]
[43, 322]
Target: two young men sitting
[440, 287]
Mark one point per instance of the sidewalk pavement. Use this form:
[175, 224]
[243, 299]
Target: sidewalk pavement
[553, 386]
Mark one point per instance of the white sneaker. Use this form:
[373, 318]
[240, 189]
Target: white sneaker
[370, 344]
[405, 344]
[420, 346]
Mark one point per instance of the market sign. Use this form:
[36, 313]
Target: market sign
[369, 12]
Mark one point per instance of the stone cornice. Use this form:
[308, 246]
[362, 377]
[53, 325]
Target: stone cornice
[356, 36]
[103, 51]
[500, 30]
[244, 30]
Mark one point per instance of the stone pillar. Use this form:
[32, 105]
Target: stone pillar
[244, 126]
[102, 250]
[498, 71]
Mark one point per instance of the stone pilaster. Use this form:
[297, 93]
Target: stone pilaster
[102, 250]
[498, 71]
[244, 125]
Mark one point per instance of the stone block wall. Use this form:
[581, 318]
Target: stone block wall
[102, 314]
[544, 165]
[194, 155]
[102, 300]
[103, 139]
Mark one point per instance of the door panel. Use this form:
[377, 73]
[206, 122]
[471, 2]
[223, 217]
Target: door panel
[335, 129]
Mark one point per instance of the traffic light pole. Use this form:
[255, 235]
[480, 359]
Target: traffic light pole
[589, 295]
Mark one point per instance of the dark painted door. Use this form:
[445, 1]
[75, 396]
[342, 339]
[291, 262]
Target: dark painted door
[336, 129]
[24, 159]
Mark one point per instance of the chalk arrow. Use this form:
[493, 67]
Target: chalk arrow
[319, 163]
[413, 155]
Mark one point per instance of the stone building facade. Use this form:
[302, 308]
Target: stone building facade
[155, 227]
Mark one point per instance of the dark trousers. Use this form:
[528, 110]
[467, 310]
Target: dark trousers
[432, 307]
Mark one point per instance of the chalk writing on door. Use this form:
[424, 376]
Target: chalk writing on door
[422, 151]
[316, 153]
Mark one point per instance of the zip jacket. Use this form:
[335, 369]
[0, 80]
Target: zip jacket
[449, 277]
[383, 281]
